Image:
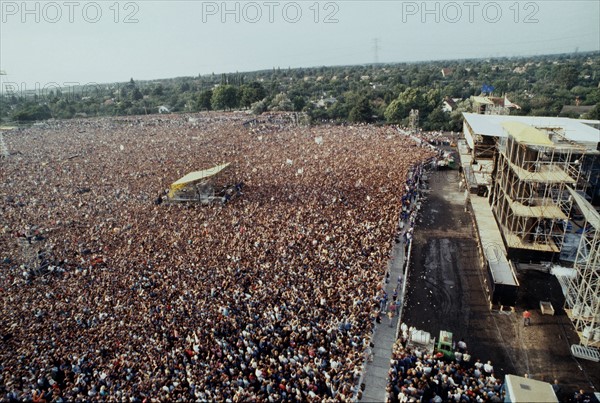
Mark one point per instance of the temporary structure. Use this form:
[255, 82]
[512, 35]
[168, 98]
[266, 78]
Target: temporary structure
[197, 186]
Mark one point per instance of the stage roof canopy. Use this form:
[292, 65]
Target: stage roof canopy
[197, 176]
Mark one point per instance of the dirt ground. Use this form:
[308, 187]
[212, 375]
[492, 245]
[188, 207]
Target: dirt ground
[446, 293]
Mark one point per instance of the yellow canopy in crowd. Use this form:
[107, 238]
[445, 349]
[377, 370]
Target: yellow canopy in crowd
[196, 176]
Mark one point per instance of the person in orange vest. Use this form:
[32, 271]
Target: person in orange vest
[526, 318]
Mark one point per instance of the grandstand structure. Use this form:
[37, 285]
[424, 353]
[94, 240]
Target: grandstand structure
[540, 179]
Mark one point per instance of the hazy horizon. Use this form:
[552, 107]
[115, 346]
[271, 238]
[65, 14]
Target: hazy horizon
[80, 42]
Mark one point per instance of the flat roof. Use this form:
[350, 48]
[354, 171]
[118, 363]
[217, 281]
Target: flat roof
[491, 242]
[520, 389]
[575, 130]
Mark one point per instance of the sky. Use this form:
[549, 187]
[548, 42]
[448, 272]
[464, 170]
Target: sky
[46, 43]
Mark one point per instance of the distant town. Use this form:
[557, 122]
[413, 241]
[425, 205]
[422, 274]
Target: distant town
[554, 85]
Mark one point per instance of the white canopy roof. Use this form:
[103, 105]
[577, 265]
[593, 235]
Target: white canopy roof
[574, 129]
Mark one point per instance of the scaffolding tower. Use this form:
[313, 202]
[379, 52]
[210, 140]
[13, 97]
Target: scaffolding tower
[413, 120]
[530, 198]
[582, 298]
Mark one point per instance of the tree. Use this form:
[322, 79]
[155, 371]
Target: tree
[299, 103]
[567, 76]
[203, 101]
[362, 111]
[594, 113]
[251, 93]
[177, 102]
[136, 94]
[259, 107]
[395, 111]
[399, 108]
[541, 106]
[184, 87]
[63, 109]
[281, 102]
[30, 112]
[437, 120]
[123, 107]
[339, 111]
[224, 97]
[158, 90]
[542, 86]
[456, 116]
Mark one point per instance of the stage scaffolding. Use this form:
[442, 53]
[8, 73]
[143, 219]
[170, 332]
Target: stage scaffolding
[530, 199]
[582, 298]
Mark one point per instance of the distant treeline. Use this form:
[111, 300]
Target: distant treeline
[382, 93]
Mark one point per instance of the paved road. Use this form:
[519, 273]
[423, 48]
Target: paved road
[446, 280]
[384, 336]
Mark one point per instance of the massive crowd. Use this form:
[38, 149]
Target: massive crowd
[418, 375]
[436, 138]
[107, 294]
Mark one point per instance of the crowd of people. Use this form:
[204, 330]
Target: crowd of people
[419, 375]
[108, 295]
[436, 138]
